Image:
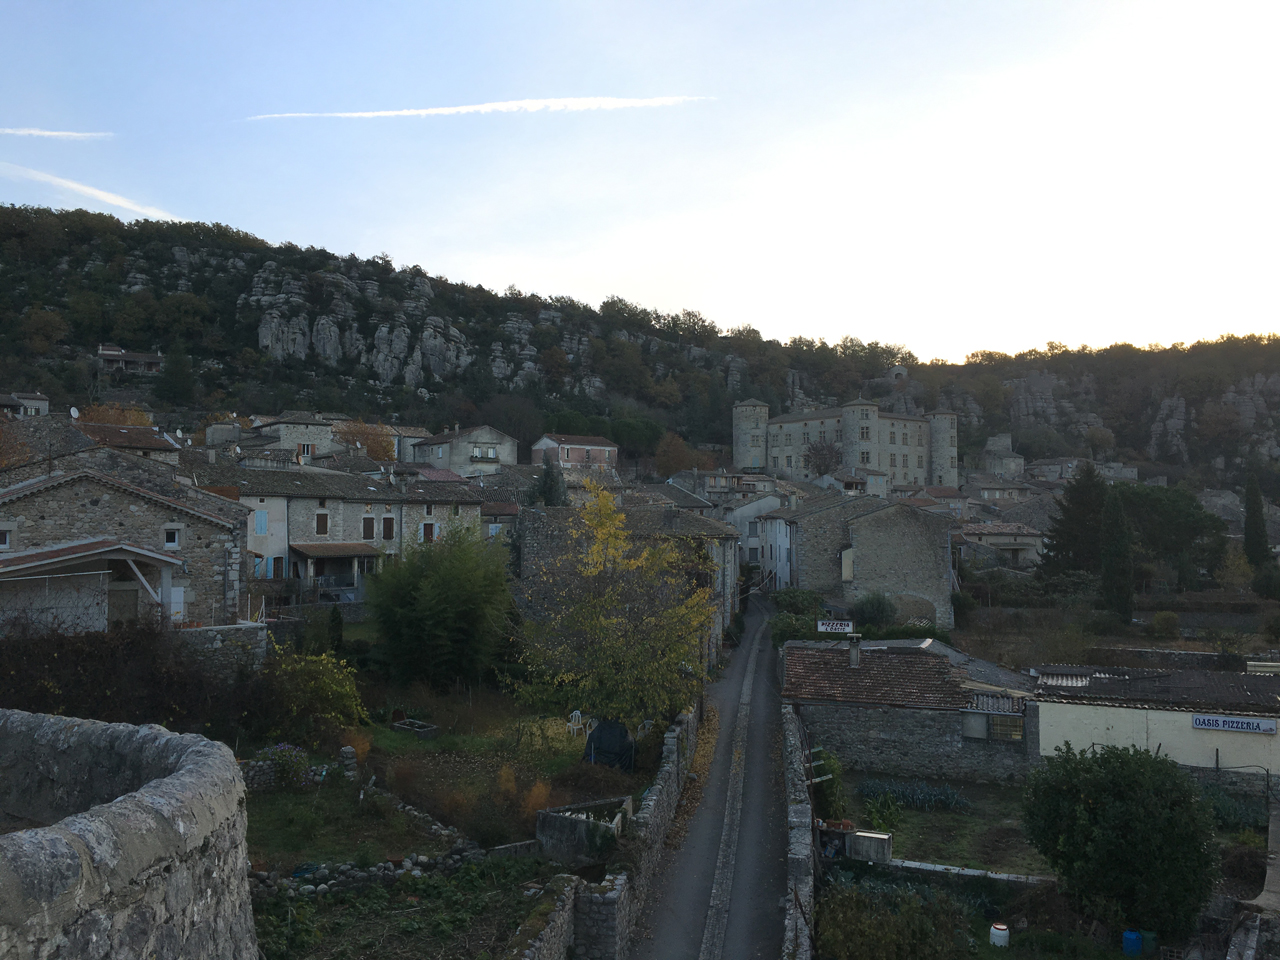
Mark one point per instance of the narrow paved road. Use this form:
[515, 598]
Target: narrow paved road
[718, 896]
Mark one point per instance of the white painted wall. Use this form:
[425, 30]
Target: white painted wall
[1170, 730]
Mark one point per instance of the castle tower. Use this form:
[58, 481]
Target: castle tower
[750, 423]
[943, 471]
[860, 434]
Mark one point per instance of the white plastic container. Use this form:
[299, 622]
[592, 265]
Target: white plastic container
[999, 935]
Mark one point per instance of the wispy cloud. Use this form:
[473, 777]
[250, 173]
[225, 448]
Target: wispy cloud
[15, 172]
[56, 134]
[567, 104]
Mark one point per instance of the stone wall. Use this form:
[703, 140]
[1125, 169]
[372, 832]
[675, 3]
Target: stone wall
[658, 805]
[85, 508]
[604, 915]
[548, 933]
[801, 856]
[606, 912]
[905, 553]
[146, 853]
[906, 742]
[225, 651]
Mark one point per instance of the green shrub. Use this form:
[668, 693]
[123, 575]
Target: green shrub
[1106, 623]
[829, 798]
[792, 626]
[1165, 625]
[1231, 813]
[801, 602]
[914, 794]
[310, 699]
[291, 765]
[1266, 581]
[874, 610]
[883, 813]
[962, 604]
[890, 922]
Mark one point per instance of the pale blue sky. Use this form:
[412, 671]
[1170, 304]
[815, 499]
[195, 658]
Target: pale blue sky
[952, 176]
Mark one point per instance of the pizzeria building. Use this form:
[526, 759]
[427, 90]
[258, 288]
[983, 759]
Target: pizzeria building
[1221, 725]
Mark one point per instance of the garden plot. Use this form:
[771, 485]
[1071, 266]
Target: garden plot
[977, 825]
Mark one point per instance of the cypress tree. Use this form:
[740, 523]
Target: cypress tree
[1116, 558]
[550, 488]
[1074, 541]
[1256, 549]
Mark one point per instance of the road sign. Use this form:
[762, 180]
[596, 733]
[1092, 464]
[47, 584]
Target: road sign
[835, 626]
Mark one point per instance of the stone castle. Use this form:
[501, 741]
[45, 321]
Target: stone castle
[904, 448]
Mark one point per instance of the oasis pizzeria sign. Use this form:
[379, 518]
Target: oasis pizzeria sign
[1233, 724]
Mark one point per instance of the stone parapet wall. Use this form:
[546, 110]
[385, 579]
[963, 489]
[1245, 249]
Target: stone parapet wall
[548, 932]
[225, 651]
[146, 852]
[603, 918]
[658, 805]
[801, 856]
[906, 742]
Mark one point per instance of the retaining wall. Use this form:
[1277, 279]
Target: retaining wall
[908, 742]
[146, 853]
[547, 934]
[801, 856]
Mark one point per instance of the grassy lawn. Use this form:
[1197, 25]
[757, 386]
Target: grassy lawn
[330, 824]
[474, 913]
[985, 836]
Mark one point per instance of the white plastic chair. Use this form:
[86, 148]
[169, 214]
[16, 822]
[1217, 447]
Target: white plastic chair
[575, 723]
[592, 723]
[644, 729]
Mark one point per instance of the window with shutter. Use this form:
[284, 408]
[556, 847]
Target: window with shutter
[428, 532]
[322, 524]
[368, 528]
[388, 528]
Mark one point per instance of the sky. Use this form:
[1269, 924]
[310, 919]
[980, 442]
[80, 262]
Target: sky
[949, 176]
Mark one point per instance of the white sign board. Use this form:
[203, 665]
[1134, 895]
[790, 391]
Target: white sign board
[1235, 724]
[835, 626]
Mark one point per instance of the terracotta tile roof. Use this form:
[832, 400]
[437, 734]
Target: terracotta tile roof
[334, 549]
[893, 678]
[1000, 529]
[78, 550]
[499, 510]
[575, 440]
[30, 487]
[128, 438]
[1179, 690]
[677, 495]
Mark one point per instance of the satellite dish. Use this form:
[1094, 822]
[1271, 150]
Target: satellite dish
[179, 432]
[188, 441]
[75, 413]
[357, 444]
[237, 449]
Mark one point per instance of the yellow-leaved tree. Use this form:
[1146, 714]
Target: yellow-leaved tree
[613, 627]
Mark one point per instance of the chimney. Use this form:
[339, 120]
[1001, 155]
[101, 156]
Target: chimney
[793, 502]
[212, 455]
[854, 647]
[457, 428]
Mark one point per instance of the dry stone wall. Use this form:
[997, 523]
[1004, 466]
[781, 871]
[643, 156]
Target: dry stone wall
[146, 853]
[801, 857]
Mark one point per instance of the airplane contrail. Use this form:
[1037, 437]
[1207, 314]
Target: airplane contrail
[13, 171]
[505, 106]
[58, 134]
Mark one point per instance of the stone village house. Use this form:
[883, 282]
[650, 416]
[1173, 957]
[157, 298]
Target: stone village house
[845, 548]
[317, 534]
[913, 709]
[90, 535]
[473, 452]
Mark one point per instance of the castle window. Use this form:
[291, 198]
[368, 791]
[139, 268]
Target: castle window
[864, 433]
[893, 438]
[755, 440]
[953, 440]
[775, 463]
[806, 462]
[893, 459]
[866, 414]
[788, 461]
[953, 461]
[864, 456]
[838, 432]
[822, 436]
[804, 438]
[787, 441]
[920, 462]
[919, 439]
